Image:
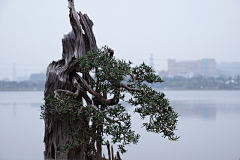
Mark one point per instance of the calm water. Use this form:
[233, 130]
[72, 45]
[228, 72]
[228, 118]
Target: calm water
[209, 127]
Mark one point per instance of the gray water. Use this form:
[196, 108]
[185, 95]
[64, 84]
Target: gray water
[209, 127]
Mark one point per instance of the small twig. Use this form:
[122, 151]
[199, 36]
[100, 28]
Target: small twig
[80, 111]
[124, 138]
[141, 79]
[93, 106]
[56, 95]
[151, 119]
[108, 50]
[134, 81]
[57, 110]
[117, 121]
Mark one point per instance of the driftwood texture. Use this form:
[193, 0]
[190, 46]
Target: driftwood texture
[60, 75]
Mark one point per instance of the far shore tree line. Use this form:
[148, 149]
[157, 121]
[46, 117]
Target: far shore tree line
[176, 82]
[21, 86]
[200, 82]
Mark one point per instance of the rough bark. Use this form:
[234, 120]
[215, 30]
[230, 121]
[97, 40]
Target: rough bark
[62, 76]
[59, 74]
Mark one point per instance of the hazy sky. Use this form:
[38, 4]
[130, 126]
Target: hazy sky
[31, 30]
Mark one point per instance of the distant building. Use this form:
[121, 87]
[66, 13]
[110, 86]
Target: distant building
[177, 68]
[6, 79]
[208, 67]
[223, 73]
[37, 77]
[232, 68]
[20, 79]
[205, 67]
[163, 73]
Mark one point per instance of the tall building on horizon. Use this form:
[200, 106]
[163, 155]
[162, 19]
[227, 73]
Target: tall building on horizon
[208, 67]
[205, 67]
[176, 68]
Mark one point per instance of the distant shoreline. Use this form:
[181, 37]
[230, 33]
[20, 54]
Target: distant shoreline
[165, 89]
[21, 89]
[196, 89]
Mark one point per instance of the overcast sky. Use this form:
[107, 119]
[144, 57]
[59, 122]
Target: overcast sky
[31, 30]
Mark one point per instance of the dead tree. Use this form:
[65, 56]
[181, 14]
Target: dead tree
[60, 75]
[75, 131]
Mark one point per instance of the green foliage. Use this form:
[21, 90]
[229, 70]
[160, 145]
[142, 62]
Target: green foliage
[113, 120]
[66, 108]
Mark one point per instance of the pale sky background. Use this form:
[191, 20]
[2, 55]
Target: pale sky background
[31, 31]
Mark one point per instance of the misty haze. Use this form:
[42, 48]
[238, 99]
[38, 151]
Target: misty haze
[192, 45]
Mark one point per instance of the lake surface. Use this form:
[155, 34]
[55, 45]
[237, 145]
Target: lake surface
[209, 128]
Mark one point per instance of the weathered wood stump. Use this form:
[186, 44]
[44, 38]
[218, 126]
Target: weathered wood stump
[80, 114]
[59, 76]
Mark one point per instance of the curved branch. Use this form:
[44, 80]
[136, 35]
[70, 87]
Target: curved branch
[126, 86]
[134, 81]
[81, 90]
[97, 96]
[129, 88]
[75, 95]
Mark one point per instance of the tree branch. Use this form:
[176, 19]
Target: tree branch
[108, 50]
[75, 95]
[134, 81]
[79, 48]
[81, 90]
[129, 88]
[126, 86]
[97, 96]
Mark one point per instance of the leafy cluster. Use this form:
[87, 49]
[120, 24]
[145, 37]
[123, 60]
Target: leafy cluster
[67, 108]
[109, 72]
[115, 78]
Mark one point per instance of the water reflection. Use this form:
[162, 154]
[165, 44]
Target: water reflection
[15, 105]
[22, 104]
[204, 109]
[197, 109]
[21, 129]
[213, 116]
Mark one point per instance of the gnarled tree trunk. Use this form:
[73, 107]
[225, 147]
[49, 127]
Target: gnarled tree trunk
[75, 44]
[83, 125]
